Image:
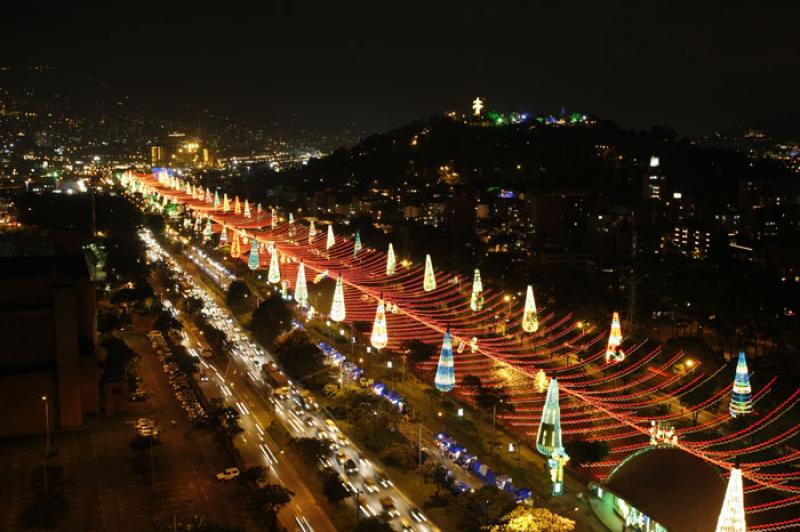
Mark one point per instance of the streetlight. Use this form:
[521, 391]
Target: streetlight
[46, 423]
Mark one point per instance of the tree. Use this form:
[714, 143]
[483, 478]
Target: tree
[238, 296]
[471, 382]
[400, 455]
[376, 523]
[485, 506]
[436, 474]
[252, 475]
[267, 502]
[332, 487]
[118, 357]
[298, 355]
[493, 398]
[311, 449]
[586, 451]
[530, 519]
[270, 319]
[417, 351]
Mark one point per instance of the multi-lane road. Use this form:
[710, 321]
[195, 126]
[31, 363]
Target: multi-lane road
[241, 386]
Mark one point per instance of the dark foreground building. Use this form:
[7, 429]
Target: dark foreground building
[47, 343]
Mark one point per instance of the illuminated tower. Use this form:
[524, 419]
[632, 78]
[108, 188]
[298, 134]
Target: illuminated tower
[246, 209]
[530, 317]
[731, 517]
[357, 244]
[312, 232]
[391, 261]
[429, 281]
[300, 289]
[254, 261]
[613, 352]
[548, 438]
[380, 336]
[741, 398]
[236, 250]
[337, 306]
[274, 275]
[476, 300]
[223, 236]
[331, 240]
[445, 379]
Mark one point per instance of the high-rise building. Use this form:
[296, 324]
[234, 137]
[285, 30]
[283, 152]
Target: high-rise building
[156, 155]
[653, 181]
[48, 324]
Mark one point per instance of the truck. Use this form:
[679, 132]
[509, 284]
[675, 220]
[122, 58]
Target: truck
[273, 376]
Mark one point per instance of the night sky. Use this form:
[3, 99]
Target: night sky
[698, 66]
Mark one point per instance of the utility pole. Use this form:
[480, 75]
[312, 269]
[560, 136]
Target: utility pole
[47, 445]
[633, 281]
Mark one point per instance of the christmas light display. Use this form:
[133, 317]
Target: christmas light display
[540, 381]
[209, 230]
[357, 244]
[274, 275]
[237, 206]
[337, 305]
[223, 236]
[429, 281]
[254, 261]
[246, 209]
[613, 403]
[312, 232]
[380, 336]
[291, 218]
[530, 318]
[742, 395]
[731, 517]
[445, 379]
[391, 261]
[476, 299]
[226, 203]
[548, 438]
[300, 289]
[273, 218]
[331, 240]
[236, 250]
[613, 352]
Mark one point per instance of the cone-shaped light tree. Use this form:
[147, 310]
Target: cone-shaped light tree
[548, 438]
[445, 379]
[300, 288]
[209, 230]
[731, 517]
[380, 336]
[273, 218]
[391, 261]
[236, 250]
[216, 199]
[357, 244]
[312, 232]
[338, 312]
[226, 203]
[254, 261]
[237, 206]
[742, 395]
[274, 275]
[530, 317]
[331, 239]
[476, 299]
[429, 280]
[291, 218]
[613, 352]
[223, 236]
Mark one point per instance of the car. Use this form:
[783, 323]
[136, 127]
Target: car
[331, 425]
[417, 515]
[309, 421]
[350, 467]
[383, 480]
[370, 486]
[229, 474]
[405, 526]
[138, 396]
[341, 457]
[388, 506]
[143, 422]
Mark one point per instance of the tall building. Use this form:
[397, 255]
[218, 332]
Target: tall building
[48, 324]
[156, 155]
[653, 181]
